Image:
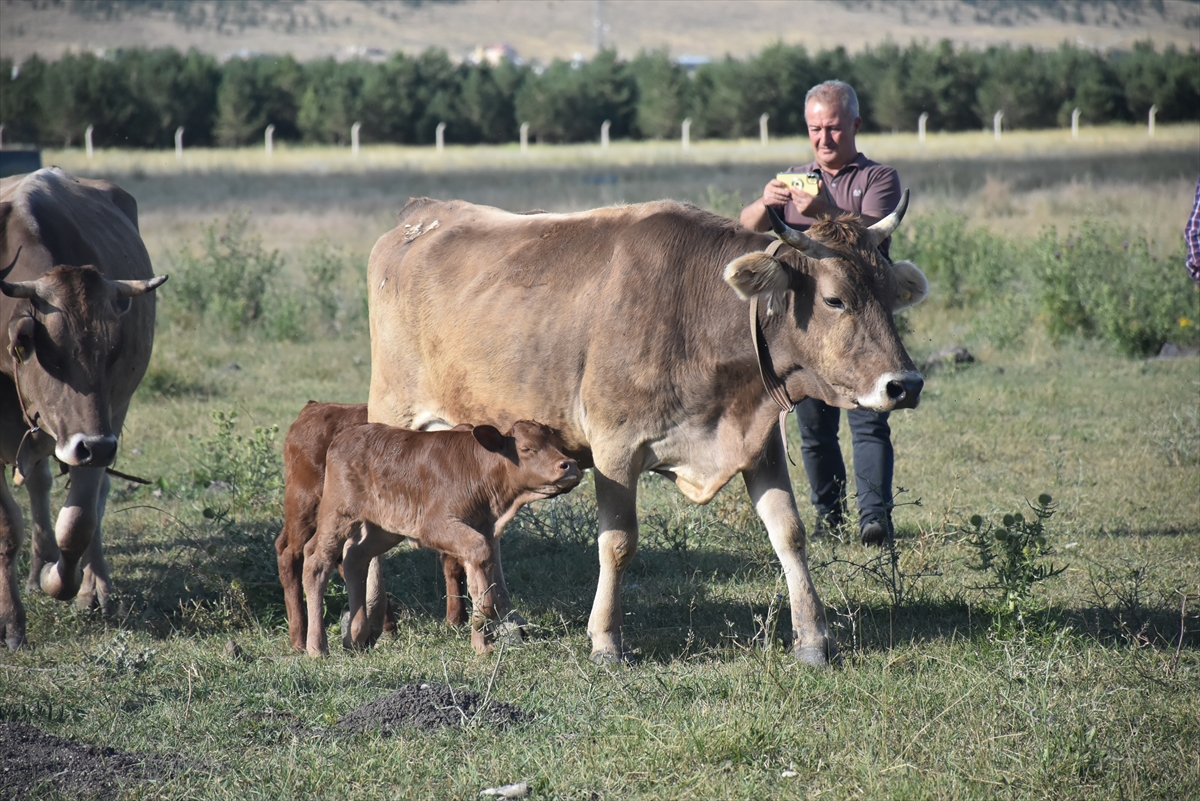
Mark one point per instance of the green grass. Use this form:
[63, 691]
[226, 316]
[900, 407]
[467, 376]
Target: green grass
[936, 698]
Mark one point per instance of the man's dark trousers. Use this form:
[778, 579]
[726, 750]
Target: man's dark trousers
[822, 457]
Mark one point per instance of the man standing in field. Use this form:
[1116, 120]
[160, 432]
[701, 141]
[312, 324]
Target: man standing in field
[849, 182]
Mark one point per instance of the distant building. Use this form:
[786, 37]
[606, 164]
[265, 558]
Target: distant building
[494, 54]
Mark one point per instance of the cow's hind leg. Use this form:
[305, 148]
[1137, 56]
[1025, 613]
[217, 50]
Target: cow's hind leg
[616, 507]
[770, 489]
[96, 587]
[12, 611]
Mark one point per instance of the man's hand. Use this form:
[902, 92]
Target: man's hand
[776, 193]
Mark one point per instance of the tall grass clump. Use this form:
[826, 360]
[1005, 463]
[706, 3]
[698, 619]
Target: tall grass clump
[967, 266]
[232, 284]
[1103, 283]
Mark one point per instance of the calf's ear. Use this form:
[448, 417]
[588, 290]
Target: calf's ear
[911, 285]
[758, 274]
[489, 437]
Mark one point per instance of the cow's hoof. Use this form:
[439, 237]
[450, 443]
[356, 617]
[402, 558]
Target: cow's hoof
[816, 655]
[605, 658]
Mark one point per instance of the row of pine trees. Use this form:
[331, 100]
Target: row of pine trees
[138, 98]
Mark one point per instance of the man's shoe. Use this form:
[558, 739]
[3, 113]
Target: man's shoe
[875, 532]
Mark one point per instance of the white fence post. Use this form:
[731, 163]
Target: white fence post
[179, 142]
[999, 115]
[87, 138]
[269, 138]
[762, 128]
[354, 138]
[524, 137]
[1075, 124]
[1153, 111]
[921, 126]
[687, 132]
[440, 136]
[604, 126]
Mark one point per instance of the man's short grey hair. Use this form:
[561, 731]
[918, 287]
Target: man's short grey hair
[837, 93]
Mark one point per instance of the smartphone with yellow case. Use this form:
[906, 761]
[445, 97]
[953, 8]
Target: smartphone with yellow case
[804, 181]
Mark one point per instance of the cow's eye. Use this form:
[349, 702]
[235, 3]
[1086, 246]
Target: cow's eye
[835, 303]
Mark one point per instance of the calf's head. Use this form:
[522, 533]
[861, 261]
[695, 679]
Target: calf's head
[830, 300]
[64, 339]
[538, 465]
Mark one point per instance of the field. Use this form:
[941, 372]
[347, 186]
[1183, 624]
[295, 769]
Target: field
[1091, 692]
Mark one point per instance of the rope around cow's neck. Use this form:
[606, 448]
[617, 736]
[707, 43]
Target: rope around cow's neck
[766, 369]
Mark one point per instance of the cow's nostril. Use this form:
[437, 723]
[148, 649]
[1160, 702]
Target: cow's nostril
[896, 390]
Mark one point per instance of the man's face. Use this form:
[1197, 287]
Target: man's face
[831, 130]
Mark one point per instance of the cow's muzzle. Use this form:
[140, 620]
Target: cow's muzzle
[82, 450]
[895, 391]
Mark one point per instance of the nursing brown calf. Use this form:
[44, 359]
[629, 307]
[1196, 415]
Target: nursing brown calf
[452, 491]
[304, 451]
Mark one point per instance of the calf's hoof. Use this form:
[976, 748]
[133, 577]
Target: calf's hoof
[513, 630]
[824, 655]
[13, 637]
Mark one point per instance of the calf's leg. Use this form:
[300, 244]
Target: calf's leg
[321, 556]
[770, 489]
[456, 589]
[289, 549]
[359, 558]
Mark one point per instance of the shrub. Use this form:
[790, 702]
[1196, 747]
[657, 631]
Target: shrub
[228, 282]
[966, 266]
[251, 468]
[1102, 282]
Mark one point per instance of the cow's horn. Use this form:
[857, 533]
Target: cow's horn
[4, 273]
[129, 288]
[798, 239]
[19, 289]
[884, 228]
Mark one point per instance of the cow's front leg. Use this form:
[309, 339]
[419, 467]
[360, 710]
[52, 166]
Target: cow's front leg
[96, 587]
[45, 550]
[73, 533]
[616, 507]
[770, 489]
[12, 530]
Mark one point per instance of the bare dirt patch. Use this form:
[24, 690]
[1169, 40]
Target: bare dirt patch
[34, 763]
[429, 707]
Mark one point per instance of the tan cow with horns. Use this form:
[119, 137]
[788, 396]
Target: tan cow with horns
[637, 333]
[76, 330]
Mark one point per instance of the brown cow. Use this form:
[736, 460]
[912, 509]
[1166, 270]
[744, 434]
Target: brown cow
[304, 451]
[453, 491]
[636, 333]
[76, 330]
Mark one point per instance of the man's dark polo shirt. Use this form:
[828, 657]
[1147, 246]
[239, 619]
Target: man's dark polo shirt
[862, 187]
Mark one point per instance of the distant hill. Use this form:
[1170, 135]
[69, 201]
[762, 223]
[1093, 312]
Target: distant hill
[546, 29]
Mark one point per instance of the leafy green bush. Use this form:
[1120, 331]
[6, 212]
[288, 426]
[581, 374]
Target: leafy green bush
[966, 266]
[228, 283]
[249, 467]
[1102, 282]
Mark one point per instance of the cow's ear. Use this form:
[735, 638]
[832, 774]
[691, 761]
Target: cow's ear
[758, 274]
[489, 437]
[912, 286]
[20, 339]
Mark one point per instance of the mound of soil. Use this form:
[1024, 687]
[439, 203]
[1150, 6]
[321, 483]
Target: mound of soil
[31, 760]
[429, 707]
